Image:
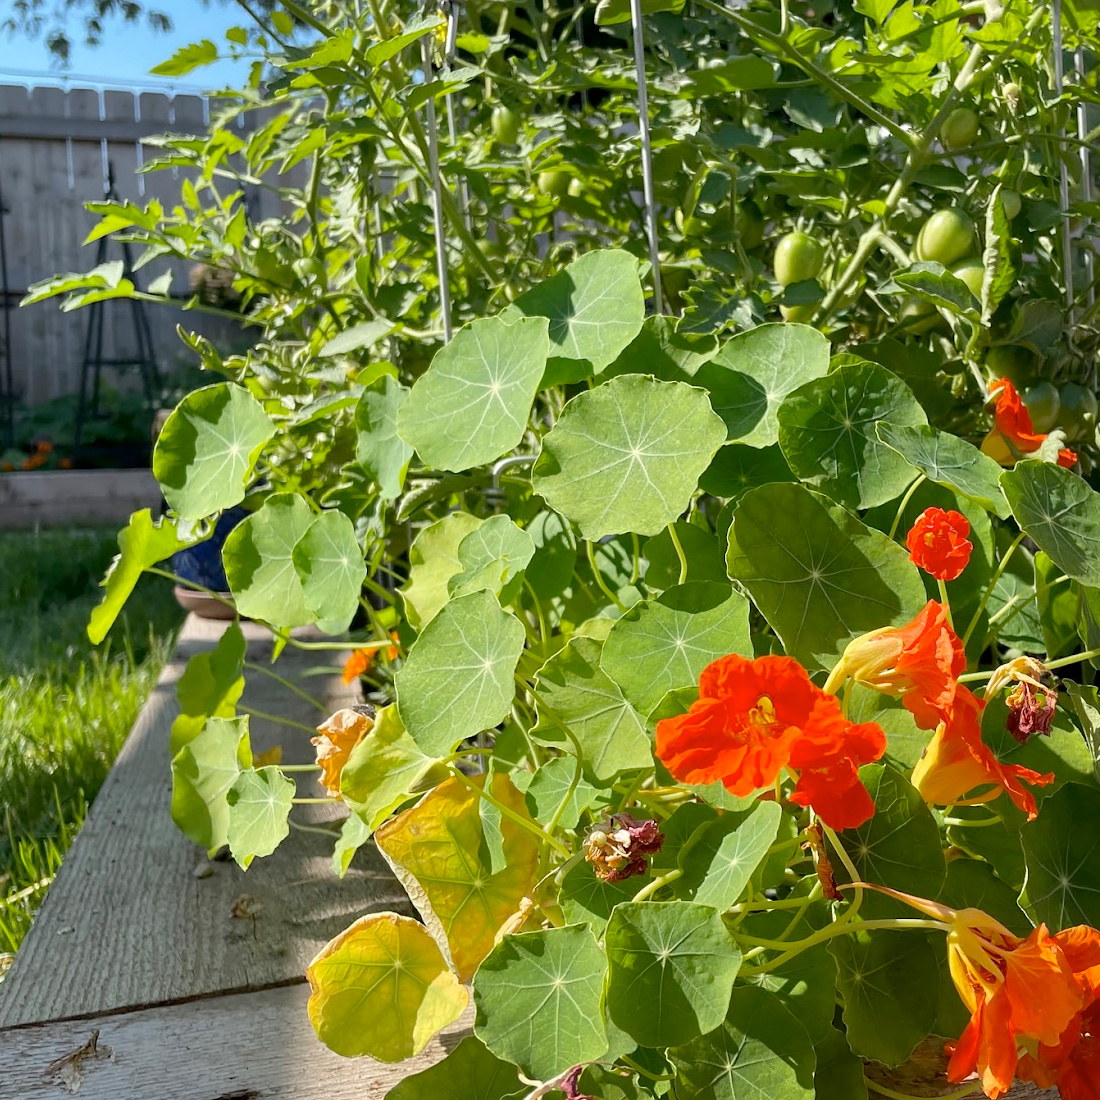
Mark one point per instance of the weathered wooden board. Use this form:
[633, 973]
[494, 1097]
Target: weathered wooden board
[247, 1046]
[130, 922]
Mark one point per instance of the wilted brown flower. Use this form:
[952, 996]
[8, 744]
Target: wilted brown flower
[619, 848]
[339, 735]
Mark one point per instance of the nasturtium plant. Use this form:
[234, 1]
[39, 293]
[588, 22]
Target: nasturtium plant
[727, 613]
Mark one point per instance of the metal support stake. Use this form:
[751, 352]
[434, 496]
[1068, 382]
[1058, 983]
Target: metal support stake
[1059, 84]
[437, 198]
[647, 152]
[1086, 162]
[454, 14]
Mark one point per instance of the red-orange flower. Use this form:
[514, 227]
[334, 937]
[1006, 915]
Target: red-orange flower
[357, 664]
[920, 661]
[1013, 433]
[753, 719]
[1067, 458]
[957, 761]
[938, 544]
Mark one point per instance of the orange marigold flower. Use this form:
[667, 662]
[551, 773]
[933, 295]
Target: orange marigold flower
[1067, 458]
[938, 544]
[920, 661]
[357, 664]
[957, 761]
[338, 736]
[753, 719]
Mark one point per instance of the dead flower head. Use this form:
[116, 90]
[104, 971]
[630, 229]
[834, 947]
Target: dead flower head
[619, 848]
[1033, 700]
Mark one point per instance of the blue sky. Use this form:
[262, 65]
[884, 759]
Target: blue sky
[129, 50]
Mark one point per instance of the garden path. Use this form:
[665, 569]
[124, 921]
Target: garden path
[153, 973]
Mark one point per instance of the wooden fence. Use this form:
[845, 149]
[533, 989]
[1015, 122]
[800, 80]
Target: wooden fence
[56, 147]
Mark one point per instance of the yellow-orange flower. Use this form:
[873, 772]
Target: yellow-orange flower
[358, 664]
[338, 736]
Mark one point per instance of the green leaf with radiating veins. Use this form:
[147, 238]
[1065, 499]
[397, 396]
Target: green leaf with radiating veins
[458, 677]
[552, 785]
[493, 559]
[550, 570]
[538, 995]
[665, 643]
[588, 899]
[660, 350]
[471, 405]
[141, 544]
[818, 574]
[671, 967]
[890, 998]
[839, 1072]
[827, 433]
[331, 569]
[259, 562]
[627, 455]
[433, 560]
[737, 468]
[573, 688]
[206, 453]
[469, 1072]
[752, 374]
[759, 1052]
[948, 460]
[259, 811]
[719, 860]
[202, 773]
[595, 306]
[210, 686]
[378, 447]
[1061, 512]
[1062, 856]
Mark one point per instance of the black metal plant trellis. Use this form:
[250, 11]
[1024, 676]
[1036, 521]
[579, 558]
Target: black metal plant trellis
[94, 361]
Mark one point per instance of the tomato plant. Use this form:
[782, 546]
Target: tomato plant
[729, 653]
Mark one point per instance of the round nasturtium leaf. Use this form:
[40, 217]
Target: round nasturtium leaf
[760, 1050]
[493, 559]
[595, 307]
[1061, 512]
[378, 447]
[433, 560]
[671, 967]
[437, 852]
[471, 405]
[259, 562]
[1062, 856]
[538, 995]
[382, 988]
[627, 455]
[737, 468]
[550, 569]
[458, 677]
[208, 448]
[665, 643]
[330, 566]
[818, 574]
[469, 1072]
[259, 809]
[755, 370]
[827, 433]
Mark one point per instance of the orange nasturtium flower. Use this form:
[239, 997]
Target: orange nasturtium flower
[338, 736]
[753, 719]
[1014, 432]
[357, 664]
[938, 544]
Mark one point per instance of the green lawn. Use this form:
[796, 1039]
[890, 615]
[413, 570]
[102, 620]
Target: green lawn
[65, 707]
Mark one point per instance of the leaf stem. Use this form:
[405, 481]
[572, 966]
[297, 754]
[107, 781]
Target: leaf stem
[679, 552]
[278, 720]
[288, 684]
[969, 1090]
[997, 573]
[591, 552]
[652, 887]
[523, 822]
[904, 504]
[945, 602]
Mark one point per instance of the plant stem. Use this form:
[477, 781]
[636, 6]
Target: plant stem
[591, 552]
[278, 720]
[904, 504]
[314, 801]
[679, 552]
[1001, 566]
[508, 812]
[969, 1090]
[945, 602]
[289, 685]
[299, 767]
[651, 888]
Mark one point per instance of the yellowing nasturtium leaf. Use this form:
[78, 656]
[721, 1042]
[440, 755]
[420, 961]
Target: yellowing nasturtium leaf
[755, 370]
[259, 811]
[827, 433]
[433, 560]
[471, 405]
[202, 773]
[435, 851]
[259, 562]
[595, 306]
[458, 677]
[210, 686]
[818, 574]
[208, 448]
[141, 544]
[331, 570]
[378, 448]
[538, 997]
[627, 455]
[382, 988]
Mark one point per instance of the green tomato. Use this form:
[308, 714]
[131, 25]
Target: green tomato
[1078, 412]
[972, 272]
[1043, 402]
[750, 225]
[1010, 361]
[505, 124]
[797, 257]
[798, 314]
[1012, 202]
[946, 237]
[554, 182]
[918, 316]
[960, 128]
[308, 268]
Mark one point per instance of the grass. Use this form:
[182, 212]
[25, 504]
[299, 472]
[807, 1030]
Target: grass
[65, 707]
